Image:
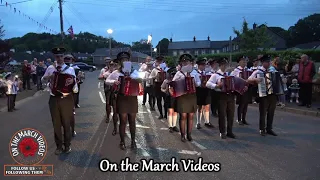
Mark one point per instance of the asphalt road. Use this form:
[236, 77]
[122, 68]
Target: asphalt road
[293, 155]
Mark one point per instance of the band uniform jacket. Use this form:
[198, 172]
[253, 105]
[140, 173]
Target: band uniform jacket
[12, 87]
[214, 80]
[247, 95]
[51, 69]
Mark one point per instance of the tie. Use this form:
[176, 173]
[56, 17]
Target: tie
[59, 69]
[225, 74]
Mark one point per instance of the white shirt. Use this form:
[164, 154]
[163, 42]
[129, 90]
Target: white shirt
[147, 79]
[114, 76]
[12, 87]
[103, 70]
[51, 69]
[215, 79]
[143, 67]
[253, 68]
[75, 66]
[179, 76]
[254, 74]
[165, 86]
[236, 72]
[155, 72]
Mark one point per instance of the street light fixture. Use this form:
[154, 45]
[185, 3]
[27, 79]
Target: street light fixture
[155, 49]
[110, 31]
[150, 41]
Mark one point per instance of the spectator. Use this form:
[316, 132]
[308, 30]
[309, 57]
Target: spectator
[48, 63]
[306, 73]
[40, 72]
[26, 72]
[34, 65]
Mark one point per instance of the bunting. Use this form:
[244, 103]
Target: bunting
[19, 12]
[70, 31]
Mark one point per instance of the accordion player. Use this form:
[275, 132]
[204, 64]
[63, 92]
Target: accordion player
[245, 74]
[271, 83]
[231, 84]
[161, 76]
[128, 86]
[183, 86]
[204, 79]
[62, 83]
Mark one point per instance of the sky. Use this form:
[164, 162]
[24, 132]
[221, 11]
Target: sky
[132, 20]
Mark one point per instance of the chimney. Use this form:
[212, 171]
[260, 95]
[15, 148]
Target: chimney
[254, 25]
[170, 39]
[208, 38]
[194, 38]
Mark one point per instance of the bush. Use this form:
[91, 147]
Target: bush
[287, 55]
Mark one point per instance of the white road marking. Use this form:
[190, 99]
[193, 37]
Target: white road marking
[162, 149]
[144, 127]
[198, 145]
[189, 152]
[280, 130]
[101, 97]
[163, 128]
[148, 110]
[98, 84]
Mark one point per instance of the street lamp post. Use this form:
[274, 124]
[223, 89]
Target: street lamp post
[150, 41]
[110, 31]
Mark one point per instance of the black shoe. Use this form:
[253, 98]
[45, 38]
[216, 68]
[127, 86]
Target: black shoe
[67, 150]
[263, 132]
[152, 109]
[143, 104]
[74, 134]
[308, 106]
[160, 117]
[240, 122]
[198, 126]
[10, 110]
[183, 139]
[15, 109]
[175, 129]
[77, 106]
[165, 117]
[107, 119]
[271, 133]
[209, 125]
[301, 104]
[114, 132]
[231, 135]
[133, 145]
[58, 151]
[223, 136]
[123, 146]
[215, 114]
[189, 137]
[245, 122]
[170, 129]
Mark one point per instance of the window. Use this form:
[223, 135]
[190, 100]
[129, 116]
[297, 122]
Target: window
[223, 49]
[227, 48]
[218, 51]
[272, 49]
[174, 53]
[188, 52]
[212, 51]
[181, 52]
[237, 47]
[203, 52]
[196, 52]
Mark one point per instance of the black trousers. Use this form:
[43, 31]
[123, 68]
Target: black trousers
[39, 83]
[267, 107]
[226, 109]
[26, 81]
[243, 101]
[76, 96]
[151, 99]
[160, 96]
[11, 101]
[305, 93]
[144, 93]
[214, 101]
[34, 79]
[61, 110]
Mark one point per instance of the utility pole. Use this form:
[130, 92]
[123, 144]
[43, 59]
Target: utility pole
[230, 49]
[61, 20]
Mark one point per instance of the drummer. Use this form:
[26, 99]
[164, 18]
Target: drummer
[203, 96]
[61, 104]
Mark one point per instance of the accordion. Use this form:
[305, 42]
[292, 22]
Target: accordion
[183, 86]
[271, 83]
[204, 79]
[245, 74]
[62, 83]
[128, 86]
[232, 84]
[161, 76]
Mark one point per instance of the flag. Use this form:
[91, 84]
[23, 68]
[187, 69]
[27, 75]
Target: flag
[149, 39]
[70, 31]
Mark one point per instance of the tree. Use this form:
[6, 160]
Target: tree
[1, 31]
[305, 30]
[141, 46]
[252, 39]
[162, 46]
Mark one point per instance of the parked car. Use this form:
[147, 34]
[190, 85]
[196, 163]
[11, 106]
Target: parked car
[85, 67]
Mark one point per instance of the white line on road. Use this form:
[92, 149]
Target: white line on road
[198, 145]
[98, 84]
[189, 152]
[101, 97]
[163, 128]
[162, 149]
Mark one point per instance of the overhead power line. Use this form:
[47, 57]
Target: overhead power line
[77, 15]
[48, 13]
[203, 9]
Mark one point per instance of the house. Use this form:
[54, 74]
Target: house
[195, 47]
[81, 56]
[99, 55]
[311, 45]
[278, 42]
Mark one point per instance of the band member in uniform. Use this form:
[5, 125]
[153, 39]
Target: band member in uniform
[61, 103]
[127, 106]
[254, 89]
[169, 101]
[11, 91]
[160, 67]
[214, 94]
[186, 105]
[106, 71]
[203, 95]
[144, 67]
[79, 81]
[226, 100]
[267, 104]
[244, 99]
[149, 86]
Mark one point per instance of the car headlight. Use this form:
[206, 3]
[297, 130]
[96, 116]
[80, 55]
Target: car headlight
[93, 66]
